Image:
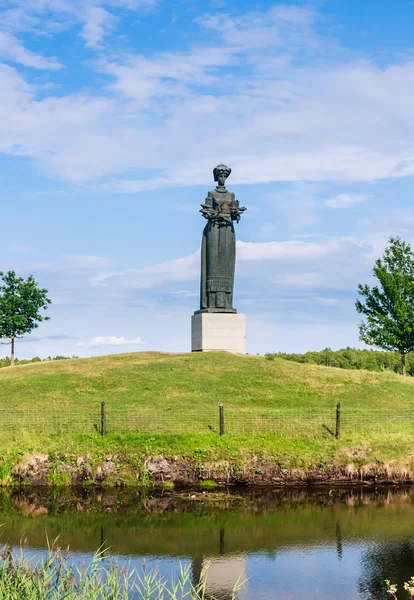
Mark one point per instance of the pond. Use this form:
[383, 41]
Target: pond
[325, 544]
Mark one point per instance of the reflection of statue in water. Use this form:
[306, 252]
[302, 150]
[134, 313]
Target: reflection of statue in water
[224, 574]
[218, 248]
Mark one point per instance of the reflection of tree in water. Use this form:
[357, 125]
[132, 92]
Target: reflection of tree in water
[393, 561]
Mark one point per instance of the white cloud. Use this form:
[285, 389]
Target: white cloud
[289, 250]
[399, 221]
[279, 26]
[178, 270]
[13, 50]
[185, 293]
[336, 263]
[340, 117]
[344, 200]
[88, 261]
[96, 17]
[325, 301]
[188, 268]
[98, 23]
[302, 280]
[110, 340]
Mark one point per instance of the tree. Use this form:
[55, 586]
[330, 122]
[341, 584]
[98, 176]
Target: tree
[329, 357]
[389, 306]
[20, 304]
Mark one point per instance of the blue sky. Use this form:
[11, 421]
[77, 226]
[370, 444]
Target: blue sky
[113, 114]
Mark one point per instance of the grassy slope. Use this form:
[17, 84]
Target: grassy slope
[190, 386]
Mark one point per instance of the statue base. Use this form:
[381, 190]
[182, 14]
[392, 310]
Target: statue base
[218, 332]
[230, 311]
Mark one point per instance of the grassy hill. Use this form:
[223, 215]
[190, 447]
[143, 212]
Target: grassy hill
[168, 404]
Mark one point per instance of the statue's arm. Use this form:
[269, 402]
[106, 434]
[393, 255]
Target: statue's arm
[207, 209]
[236, 209]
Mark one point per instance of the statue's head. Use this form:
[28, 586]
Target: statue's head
[221, 172]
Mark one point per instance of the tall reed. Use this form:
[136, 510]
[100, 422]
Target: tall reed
[56, 578]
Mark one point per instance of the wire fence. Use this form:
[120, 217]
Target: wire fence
[104, 419]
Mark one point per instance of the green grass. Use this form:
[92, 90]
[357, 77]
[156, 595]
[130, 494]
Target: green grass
[168, 404]
[208, 484]
[54, 578]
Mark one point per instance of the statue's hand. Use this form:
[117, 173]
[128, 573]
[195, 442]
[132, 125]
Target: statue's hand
[209, 213]
[237, 212]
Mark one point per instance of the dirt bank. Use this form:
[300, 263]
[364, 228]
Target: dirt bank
[120, 470]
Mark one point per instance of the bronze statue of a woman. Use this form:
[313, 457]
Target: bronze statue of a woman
[218, 247]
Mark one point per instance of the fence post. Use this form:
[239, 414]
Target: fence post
[338, 421]
[103, 419]
[221, 409]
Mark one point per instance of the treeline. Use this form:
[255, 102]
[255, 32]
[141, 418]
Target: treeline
[5, 361]
[351, 358]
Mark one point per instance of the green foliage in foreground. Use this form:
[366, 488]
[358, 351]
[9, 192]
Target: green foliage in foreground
[392, 588]
[351, 358]
[55, 578]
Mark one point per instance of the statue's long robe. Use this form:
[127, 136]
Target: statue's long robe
[218, 256]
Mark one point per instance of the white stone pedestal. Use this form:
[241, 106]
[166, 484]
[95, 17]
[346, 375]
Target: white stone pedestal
[224, 332]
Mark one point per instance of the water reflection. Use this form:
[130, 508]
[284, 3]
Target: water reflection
[223, 573]
[394, 561]
[293, 544]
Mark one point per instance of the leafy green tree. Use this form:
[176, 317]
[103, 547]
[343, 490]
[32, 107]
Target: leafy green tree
[328, 357]
[20, 304]
[389, 306]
